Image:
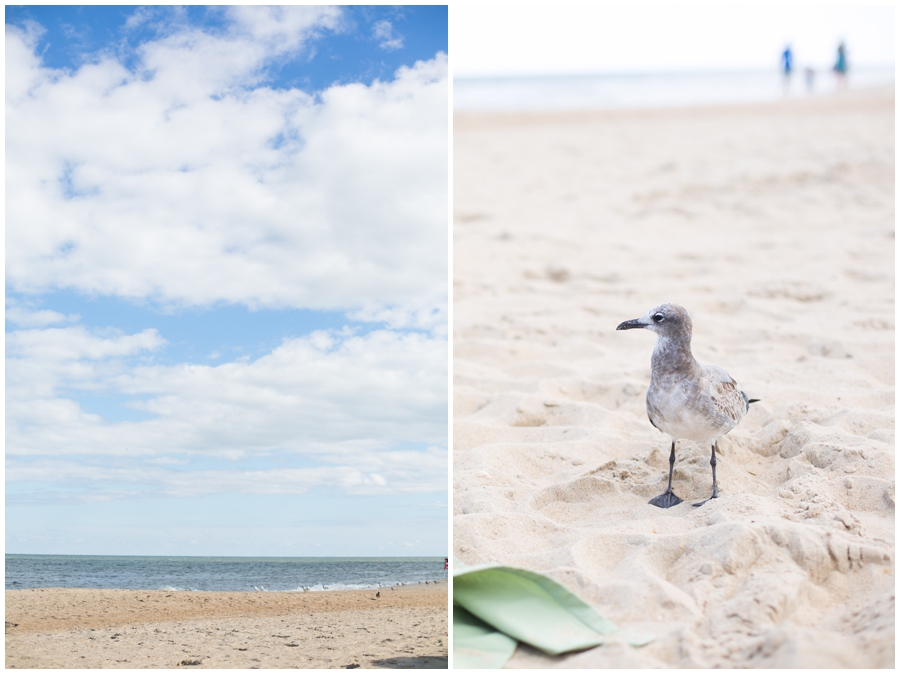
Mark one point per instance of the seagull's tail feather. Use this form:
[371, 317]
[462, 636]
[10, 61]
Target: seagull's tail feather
[748, 401]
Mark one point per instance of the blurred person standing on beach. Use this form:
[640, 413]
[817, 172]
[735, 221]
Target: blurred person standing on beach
[787, 65]
[840, 66]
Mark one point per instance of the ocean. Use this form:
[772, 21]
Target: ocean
[655, 90]
[242, 574]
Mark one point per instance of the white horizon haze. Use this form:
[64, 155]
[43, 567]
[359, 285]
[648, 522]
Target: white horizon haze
[497, 40]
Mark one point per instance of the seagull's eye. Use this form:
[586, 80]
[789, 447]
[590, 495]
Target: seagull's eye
[658, 318]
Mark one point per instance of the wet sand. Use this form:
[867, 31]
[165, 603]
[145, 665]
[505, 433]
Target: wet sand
[773, 224]
[77, 628]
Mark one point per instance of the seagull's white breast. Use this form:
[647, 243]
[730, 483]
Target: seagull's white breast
[695, 408]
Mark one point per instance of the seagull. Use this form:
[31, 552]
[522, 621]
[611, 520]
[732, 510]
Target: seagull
[687, 400]
[378, 594]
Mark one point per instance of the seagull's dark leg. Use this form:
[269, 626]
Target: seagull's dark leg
[668, 499]
[712, 462]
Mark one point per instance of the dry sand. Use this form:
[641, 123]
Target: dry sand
[127, 629]
[774, 226]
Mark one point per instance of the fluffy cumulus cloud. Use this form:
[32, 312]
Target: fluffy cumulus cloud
[311, 394]
[178, 176]
[188, 180]
[349, 403]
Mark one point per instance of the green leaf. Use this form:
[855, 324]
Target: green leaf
[477, 645]
[532, 608]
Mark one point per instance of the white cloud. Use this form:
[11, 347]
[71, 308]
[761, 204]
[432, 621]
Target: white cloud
[139, 17]
[20, 50]
[56, 345]
[400, 318]
[283, 28]
[179, 183]
[27, 318]
[384, 31]
[337, 397]
[407, 472]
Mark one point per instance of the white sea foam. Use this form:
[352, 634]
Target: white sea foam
[354, 586]
[334, 586]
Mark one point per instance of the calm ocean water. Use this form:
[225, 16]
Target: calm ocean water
[591, 92]
[274, 574]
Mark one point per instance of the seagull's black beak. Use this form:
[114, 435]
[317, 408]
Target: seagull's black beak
[631, 325]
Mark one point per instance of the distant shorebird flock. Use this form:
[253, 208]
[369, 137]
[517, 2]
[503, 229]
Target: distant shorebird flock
[687, 400]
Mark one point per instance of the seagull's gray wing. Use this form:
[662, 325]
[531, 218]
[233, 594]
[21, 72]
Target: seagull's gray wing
[723, 392]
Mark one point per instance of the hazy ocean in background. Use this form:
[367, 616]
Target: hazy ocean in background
[592, 92]
[275, 574]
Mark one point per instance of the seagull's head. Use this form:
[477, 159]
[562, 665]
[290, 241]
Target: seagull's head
[667, 320]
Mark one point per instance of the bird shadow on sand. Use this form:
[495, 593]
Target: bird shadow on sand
[421, 662]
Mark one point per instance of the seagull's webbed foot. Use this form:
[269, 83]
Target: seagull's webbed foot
[666, 500]
[697, 505]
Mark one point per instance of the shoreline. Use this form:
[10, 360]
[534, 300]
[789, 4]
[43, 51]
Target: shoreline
[301, 590]
[84, 628]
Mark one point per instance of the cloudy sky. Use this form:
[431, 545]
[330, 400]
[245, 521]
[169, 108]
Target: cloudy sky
[226, 280]
[571, 37]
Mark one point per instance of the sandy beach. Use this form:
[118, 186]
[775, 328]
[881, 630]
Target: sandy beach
[126, 629]
[773, 225]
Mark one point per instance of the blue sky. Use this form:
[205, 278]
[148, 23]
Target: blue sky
[368, 43]
[226, 259]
